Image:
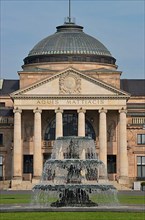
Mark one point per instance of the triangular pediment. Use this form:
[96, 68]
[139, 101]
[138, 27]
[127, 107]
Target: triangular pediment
[69, 82]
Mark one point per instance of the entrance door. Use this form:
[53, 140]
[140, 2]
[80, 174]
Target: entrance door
[111, 166]
[28, 164]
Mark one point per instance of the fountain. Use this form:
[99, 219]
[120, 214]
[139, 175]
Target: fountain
[74, 177]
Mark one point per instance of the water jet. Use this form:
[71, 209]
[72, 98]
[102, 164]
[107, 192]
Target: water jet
[74, 176]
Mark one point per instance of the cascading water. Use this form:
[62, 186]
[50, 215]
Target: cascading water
[74, 177]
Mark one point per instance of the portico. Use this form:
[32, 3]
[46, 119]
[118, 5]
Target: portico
[100, 107]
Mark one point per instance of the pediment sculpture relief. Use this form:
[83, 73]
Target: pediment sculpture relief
[70, 83]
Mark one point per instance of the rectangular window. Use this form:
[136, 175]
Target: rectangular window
[111, 163]
[2, 104]
[141, 139]
[46, 156]
[28, 164]
[1, 167]
[1, 139]
[141, 166]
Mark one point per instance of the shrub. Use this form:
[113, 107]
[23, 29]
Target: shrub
[143, 184]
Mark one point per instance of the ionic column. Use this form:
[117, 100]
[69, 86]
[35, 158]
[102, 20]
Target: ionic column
[81, 122]
[17, 152]
[59, 123]
[103, 136]
[123, 146]
[37, 160]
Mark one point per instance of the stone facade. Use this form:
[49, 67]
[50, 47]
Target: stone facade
[71, 98]
[70, 91]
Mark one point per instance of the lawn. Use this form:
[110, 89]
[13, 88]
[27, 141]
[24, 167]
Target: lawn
[73, 216]
[131, 199]
[15, 198]
[26, 198]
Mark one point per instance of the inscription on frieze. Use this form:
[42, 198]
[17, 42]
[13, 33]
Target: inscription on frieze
[72, 102]
[64, 101]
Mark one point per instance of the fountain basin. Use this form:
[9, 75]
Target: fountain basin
[74, 176]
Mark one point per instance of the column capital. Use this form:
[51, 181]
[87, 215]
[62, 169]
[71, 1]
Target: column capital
[123, 110]
[81, 110]
[37, 110]
[16, 110]
[58, 110]
[103, 110]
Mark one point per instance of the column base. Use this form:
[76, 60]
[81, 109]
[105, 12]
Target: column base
[16, 182]
[36, 179]
[17, 178]
[102, 179]
[124, 180]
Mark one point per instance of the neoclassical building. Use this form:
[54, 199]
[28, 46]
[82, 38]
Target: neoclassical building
[70, 86]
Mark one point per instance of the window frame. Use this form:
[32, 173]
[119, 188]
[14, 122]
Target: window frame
[140, 139]
[70, 119]
[1, 139]
[27, 163]
[112, 164]
[1, 167]
[140, 167]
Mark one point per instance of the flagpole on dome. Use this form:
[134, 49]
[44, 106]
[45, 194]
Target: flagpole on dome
[69, 15]
[69, 19]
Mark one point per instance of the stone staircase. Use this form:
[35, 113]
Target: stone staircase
[4, 185]
[28, 185]
[24, 185]
[119, 186]
[19, 185]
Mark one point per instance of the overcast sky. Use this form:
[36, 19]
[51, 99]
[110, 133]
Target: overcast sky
[118, 24]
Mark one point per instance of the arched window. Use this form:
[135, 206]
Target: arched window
[70, 127]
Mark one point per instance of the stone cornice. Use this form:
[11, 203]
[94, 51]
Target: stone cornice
[69, 97]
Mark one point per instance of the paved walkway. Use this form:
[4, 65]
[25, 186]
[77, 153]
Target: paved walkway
[30, 208]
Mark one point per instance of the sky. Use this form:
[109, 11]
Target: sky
[118, 24]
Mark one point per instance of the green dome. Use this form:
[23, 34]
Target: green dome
[69, 40]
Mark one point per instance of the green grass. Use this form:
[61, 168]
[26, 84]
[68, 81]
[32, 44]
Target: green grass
[73, 216]
[15, 198]
[26, 198]
[125, 199]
